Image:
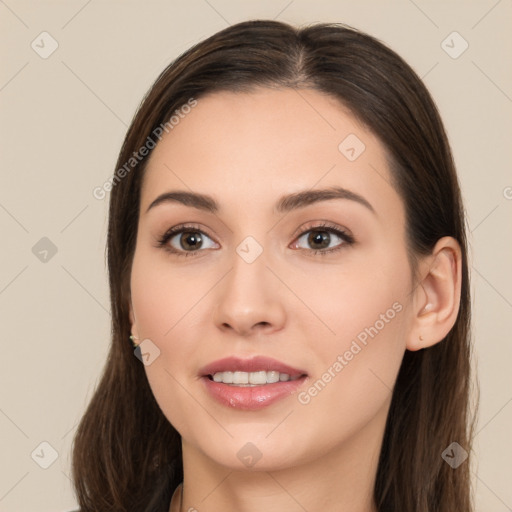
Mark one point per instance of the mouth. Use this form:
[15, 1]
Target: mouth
[251, 384]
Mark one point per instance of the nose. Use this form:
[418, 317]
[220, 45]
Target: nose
[249, 299]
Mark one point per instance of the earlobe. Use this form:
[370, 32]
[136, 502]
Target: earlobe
[436, 299]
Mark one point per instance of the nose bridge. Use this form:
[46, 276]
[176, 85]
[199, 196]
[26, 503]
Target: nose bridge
[248, 296]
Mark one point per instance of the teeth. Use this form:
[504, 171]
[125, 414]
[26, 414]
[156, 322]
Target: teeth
[273, 377]
[252, 378]
[240, 378]
[226, 377]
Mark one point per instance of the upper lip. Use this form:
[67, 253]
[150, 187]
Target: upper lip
[254, 364]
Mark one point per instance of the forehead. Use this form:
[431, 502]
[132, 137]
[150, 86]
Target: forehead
[247, 148]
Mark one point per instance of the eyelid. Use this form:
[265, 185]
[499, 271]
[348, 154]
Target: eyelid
[187, 226]
[318, 225]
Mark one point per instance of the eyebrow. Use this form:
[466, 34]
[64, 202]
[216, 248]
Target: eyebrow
[284, 204]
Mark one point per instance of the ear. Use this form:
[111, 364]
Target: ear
[436, 299]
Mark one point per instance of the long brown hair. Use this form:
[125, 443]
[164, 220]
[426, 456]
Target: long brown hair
[126, 454]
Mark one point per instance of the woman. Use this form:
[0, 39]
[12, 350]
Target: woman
[287, 253]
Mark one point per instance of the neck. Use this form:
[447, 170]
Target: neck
[340, 480]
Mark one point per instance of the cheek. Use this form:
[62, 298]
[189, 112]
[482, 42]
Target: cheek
[362, 299]
[362, 342]
[167, 306]
[354, 374]
[165, 296]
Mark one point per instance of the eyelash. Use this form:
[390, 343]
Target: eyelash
[324, 227]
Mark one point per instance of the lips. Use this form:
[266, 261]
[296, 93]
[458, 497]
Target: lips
[254, 364]
[255, 397]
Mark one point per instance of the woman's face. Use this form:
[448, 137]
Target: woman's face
[322, 285]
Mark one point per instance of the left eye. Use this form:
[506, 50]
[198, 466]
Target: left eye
[319, 239]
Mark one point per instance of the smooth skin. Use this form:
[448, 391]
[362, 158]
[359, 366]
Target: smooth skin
[247, 151]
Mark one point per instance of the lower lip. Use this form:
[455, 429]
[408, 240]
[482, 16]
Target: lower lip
[251, 397]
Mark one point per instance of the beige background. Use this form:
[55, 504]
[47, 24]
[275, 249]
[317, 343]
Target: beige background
[63, 119]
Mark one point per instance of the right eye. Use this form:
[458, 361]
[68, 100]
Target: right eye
[185, 241]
